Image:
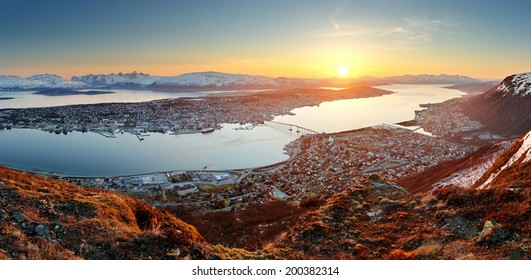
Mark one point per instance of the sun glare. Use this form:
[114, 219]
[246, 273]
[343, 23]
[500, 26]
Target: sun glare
[342, 70]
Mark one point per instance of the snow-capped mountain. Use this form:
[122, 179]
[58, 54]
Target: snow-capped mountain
[226, 80]
[515, 85]
[210, 80]
[213, 79]
[506, 108]
[191, 80]
[120, 79]
[41, 81]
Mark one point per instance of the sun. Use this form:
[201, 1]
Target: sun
[342, 70]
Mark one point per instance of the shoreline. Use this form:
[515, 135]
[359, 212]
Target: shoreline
[256, 169]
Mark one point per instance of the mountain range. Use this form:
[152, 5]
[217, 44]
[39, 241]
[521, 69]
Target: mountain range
[41, 81]
[208, 80]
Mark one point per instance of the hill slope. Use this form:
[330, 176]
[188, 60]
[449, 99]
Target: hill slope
[505, 109]
[377, 220]
[514, 165]
[48, 219]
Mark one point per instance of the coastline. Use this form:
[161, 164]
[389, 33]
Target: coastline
[256, 169]
[179, 132]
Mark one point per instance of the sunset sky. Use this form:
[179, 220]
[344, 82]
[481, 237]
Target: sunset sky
[298, 38]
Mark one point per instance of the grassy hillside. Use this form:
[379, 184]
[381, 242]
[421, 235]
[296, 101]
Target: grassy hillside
[47, 219]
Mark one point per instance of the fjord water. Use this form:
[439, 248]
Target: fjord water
[90, 154]
[342, 115]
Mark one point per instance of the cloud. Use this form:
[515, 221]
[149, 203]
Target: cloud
[339, 9]
[404, 34]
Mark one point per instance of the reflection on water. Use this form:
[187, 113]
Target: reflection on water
[344, 115]
[90, 154]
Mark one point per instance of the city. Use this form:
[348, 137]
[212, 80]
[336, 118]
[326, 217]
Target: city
[182, 115]
[332, 162]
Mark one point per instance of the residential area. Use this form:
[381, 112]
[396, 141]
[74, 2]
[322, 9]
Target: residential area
[319, 166]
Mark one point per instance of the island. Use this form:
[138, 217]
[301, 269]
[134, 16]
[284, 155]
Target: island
[176, 115]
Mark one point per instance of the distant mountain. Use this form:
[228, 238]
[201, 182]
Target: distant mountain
[41, 81]
[476, 87]
[429, 79]
[209, 80]
[505, 109]
[196, 80]
[518, 85]
[117, 80]
[201, 80]
[418, 79]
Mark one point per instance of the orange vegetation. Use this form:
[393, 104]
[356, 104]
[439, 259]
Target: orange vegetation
[250, 228]
[378, 220]
[48, 219]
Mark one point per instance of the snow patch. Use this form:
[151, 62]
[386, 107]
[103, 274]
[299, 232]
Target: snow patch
[120, 78]
[466, 178]
[524, 153]
[37, 81]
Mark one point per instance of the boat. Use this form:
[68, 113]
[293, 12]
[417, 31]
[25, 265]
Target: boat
[207, 130]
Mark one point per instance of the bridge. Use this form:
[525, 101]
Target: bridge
[290, 127]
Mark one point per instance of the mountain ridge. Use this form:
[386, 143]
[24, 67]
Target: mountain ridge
[209, 79]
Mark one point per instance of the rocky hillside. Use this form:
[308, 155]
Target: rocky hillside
[514, 165]
[48, 219]
[379, 220]
[505, 109]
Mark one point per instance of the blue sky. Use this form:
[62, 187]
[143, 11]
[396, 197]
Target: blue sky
[488, 39]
